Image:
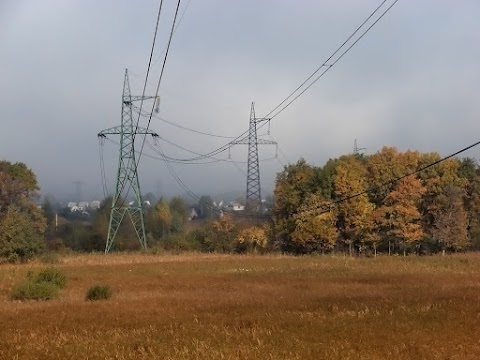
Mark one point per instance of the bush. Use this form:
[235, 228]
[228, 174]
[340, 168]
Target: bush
[43, 285]
[99, 292]
[31, 290]
[51, 275]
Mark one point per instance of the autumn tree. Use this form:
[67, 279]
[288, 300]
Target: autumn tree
[315, 228]
[450, 225]
[251, 239]
[373, 207]
[353, 214]
[163, 217]
[401, 214]
[437, 179]
[223, 234]
[293, 186]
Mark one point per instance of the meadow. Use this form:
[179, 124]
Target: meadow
[209, 306]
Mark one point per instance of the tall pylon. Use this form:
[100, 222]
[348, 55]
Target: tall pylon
[253, 201]
[127, 175]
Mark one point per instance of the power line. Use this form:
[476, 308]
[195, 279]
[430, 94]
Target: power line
[181, 161]
[158, 84]
[159, 79]
[329, 66]
[149, 65]
[329, 206]
[175, 28]
[193, 195]
[143, 92]
[324, 65]
[184, 127]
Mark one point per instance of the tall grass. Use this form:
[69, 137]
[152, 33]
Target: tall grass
[252, 307]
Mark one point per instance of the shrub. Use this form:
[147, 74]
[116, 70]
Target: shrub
[99, 292]
[51, 275]
[31, 290]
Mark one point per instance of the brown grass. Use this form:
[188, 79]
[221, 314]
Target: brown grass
[249, 307]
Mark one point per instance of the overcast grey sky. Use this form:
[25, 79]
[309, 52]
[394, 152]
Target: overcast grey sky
[412, 82]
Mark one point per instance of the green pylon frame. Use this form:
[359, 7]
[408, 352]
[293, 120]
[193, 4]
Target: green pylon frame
[127, 175]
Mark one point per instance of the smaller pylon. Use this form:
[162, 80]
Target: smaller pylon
[356, 149]
[253, 201]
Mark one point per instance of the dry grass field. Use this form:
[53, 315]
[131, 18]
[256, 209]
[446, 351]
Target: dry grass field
[249, 307]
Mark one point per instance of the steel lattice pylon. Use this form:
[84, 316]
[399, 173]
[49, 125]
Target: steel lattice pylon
[127, 175]
[253, 201]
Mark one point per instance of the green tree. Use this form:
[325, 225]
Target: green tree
[178, 209]
[205, 207]
[470, 172]
[22, 222]
[18, 239]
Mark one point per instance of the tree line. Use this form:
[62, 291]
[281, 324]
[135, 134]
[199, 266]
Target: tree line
[434, 210]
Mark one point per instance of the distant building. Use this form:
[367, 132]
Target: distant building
[83, 205]
[71, 204]
[193, 215]
[234, 206]
[95, 205]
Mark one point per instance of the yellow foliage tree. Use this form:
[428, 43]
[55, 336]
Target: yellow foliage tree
[223, 234]
[316, 232]
[252, 238]
[401, 214]
[353, 214]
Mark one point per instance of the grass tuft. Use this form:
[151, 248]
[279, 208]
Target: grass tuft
[98, 292]
[51, 275]
[30, 290]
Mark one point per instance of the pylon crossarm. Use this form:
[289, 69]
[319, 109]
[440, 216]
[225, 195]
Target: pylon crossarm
[117, 130]
[139, 98]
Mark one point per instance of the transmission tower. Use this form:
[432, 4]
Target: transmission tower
[356, 149]
[253, 201]
[127, 175]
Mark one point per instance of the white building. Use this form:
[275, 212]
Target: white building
[234, 206]
[95, 204]
[83, 205]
